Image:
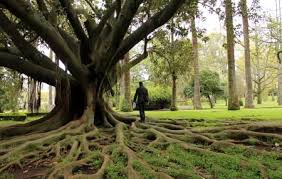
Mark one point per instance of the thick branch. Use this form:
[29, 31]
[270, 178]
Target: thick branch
[98, 14]
[123, 22]
[105, 18]
[149, 26]
[71, 41]
[23, 66]
[138, 59]
[43, 8]
[73, 18]
[43, 28]
[26, 48]
[134, 62]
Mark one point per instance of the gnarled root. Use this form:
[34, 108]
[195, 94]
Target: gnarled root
[126, 148]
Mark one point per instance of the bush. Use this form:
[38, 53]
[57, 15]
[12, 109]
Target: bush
[241, 102]
[13, 117]
[173, 108]
[159, 98]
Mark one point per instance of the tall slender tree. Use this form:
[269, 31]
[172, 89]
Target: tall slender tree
[233, 100]
[248, 70]
[278, 48]
[50, 90]
[197, 93]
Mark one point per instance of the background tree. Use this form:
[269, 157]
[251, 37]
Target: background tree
[197, 93]
[211, 87]
[263, 59]
[248, 71]
[171, 58]
[233, 101]
[11, 84]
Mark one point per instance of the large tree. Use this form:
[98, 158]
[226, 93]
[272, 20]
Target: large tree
[90, 49]
[197, 93]
[89, 38]
[171, 59]
[233, 100]
[248, 71]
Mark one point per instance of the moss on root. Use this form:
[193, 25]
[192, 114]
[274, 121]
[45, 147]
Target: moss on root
[156, 149]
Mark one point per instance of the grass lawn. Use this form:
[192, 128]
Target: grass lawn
[267, 111]
[8, 123]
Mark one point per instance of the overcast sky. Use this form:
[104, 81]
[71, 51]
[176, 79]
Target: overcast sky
[212, 23]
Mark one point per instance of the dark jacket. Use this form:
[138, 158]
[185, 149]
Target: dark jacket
[141, 95]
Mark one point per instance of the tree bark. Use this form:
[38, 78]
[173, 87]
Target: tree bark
[280, 85]
[50, 90]
[50, 97]
[38, 97]
[248, 70]
[211, 101]
[125, 87]
[233, 101]
[197, 93]
[259, 94]
[173, 106]
[127, 91]
[32, 96]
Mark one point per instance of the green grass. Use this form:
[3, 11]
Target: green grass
[267, 111]
[237, 162]
[5, 123]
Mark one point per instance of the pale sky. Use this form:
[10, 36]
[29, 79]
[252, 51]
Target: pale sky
[212, 23]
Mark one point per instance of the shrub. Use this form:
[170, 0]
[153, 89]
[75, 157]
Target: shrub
[159, 97]
[13, 117]
[241, 102]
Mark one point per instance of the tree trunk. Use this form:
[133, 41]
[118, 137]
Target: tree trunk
[38, 97]
[248, 71]
[197, 93]
[233, 101]
[32, 96]
[117, 95]
[272, 96]
[50, 90]
[173, 98]
[280, 85]
[126, 85]
[259, 93]
[211, 101]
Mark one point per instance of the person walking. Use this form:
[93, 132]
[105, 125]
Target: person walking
[141, 98]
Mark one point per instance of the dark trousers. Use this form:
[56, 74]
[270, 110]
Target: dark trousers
[141, 107]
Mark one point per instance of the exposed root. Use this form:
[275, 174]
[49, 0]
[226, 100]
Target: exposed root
[126, 148]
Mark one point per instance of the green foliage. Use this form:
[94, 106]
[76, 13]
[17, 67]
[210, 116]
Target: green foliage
[241, 102]
[159, 97]
[6, 176]
[173, 108]
[12, 117]
[10, 90]
[142, 170]
[209, 85]
[169, 58]
[115, 170]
